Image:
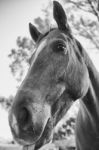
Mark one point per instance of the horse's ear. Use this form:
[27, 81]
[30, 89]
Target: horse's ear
[60, 16]
[34, 32]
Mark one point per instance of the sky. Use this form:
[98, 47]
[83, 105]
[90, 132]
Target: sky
[14, 18]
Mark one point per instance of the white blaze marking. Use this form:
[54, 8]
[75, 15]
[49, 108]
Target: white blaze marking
[39, 49]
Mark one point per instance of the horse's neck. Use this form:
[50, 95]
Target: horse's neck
[91, 100]
[87, 131]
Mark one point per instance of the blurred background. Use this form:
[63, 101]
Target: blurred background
[16, 48]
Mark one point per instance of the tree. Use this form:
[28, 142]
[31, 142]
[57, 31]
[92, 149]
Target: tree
[44, 24]
[84, 19]
[20, 57]
[6, 102]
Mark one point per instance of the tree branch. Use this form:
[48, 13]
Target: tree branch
[93, 9]
[79, 5]
[88, 35]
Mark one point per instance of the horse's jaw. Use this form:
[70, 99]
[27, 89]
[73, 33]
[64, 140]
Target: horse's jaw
[45, 138]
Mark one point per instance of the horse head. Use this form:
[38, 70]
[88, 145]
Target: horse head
[57, 76]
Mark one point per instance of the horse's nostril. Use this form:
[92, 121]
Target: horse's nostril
[24, 116]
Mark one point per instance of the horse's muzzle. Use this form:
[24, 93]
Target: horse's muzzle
[28, 124]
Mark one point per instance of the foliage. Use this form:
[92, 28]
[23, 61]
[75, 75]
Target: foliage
[44, 23]
[6, 102]
[84, 19]
[66, 130]
[20, 57]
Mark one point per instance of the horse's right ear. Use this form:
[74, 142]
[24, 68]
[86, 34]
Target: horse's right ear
[34, 32]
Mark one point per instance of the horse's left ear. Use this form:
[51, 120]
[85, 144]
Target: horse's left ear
[35, 34]
[60, 16]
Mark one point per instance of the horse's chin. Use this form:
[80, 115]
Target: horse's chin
[45, 138]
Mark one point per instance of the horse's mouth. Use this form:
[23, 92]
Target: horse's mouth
[45, 137]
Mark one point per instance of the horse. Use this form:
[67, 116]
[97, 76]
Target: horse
[60, 72]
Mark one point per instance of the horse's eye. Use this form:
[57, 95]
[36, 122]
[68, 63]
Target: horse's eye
[59, 46]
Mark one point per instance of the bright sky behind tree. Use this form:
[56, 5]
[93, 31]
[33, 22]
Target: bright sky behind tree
[14, 18]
